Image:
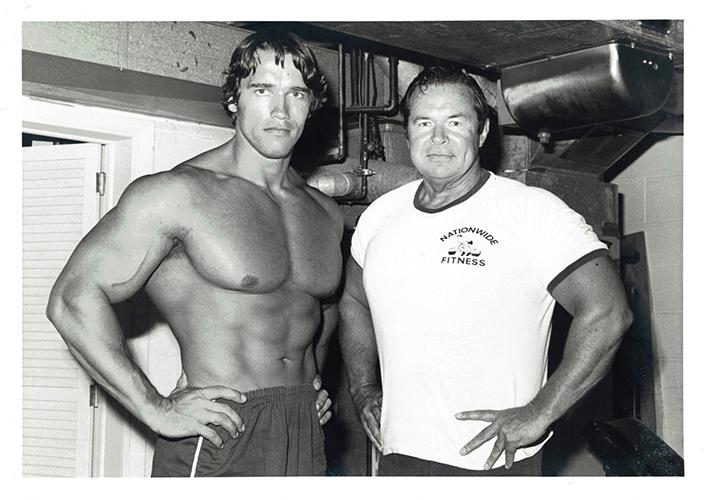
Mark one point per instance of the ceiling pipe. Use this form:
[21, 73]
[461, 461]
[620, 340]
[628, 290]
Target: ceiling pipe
[352, 186]
[364, 109]
[339, 182]
[391, 107]
[341, 153]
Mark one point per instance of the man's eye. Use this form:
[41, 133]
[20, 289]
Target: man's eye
[261, 91]
[297, 94]
[455, 123]
[423, 124]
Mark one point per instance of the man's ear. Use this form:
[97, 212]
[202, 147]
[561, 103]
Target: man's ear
[484, 133]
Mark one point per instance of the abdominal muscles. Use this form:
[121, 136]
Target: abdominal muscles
[245, 340]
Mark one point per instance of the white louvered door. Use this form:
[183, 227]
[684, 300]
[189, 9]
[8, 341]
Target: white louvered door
[60, 204]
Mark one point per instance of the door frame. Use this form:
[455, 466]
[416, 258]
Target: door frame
[119, 448]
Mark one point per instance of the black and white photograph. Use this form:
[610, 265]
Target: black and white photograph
[353, 247]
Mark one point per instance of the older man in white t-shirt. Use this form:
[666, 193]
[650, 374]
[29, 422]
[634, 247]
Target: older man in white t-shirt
[451, 287]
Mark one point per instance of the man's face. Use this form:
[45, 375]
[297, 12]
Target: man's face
[273, 106]
[442, 132]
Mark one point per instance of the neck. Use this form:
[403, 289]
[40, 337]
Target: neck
[269, 173]
[437, 193]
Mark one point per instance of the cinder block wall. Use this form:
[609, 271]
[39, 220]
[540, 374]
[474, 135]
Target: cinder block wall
[652, 202]
[192, 51]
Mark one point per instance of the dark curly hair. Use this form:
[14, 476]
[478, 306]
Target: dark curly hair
[244, 62]
[442, 75]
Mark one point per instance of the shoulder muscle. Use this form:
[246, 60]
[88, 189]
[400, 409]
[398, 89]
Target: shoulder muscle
[120, 253]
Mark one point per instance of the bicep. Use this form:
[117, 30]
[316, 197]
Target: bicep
[595, 286]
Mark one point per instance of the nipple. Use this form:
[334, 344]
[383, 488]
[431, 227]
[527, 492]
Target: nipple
[249, 281]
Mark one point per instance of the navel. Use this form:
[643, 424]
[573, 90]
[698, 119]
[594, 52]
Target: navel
[177, 249]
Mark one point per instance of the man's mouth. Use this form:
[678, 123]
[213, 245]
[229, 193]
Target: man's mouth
[278, 130]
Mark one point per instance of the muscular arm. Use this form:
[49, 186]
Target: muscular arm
[359, 351]
[329, 317]
[329, 314]
[329, 323]
[109, 265]
[323, 403]
[594, 296]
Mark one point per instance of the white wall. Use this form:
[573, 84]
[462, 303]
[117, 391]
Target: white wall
[652, 202]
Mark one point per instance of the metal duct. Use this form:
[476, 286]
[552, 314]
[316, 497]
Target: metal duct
[338, 181]
[611, 82]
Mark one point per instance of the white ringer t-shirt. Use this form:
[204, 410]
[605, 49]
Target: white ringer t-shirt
[461, 306]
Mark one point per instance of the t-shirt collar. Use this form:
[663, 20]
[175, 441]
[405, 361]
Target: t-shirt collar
[485, 175]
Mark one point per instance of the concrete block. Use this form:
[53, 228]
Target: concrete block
[87, 41]
[633, 208]
[672, 425]
[669, 374]
[667, 336]
[193, 51]
[666, 288]
[199, 51]
[664, 158]
[663, 198]
[663, 242]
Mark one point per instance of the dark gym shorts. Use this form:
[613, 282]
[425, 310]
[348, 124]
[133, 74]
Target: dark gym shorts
[396, 464]
[282, 437]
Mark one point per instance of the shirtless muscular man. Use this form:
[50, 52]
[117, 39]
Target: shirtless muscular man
[238, 255]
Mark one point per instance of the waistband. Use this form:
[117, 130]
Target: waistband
[279, 393]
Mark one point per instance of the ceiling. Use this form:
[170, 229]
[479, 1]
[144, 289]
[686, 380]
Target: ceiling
[488, 46]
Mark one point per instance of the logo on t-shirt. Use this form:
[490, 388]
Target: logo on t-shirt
[464, 246]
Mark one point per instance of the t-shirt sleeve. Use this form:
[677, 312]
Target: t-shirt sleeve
[560, 239]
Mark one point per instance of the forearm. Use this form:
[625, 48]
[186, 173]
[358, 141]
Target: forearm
[358, 345]
[591, 345]
[88, 325]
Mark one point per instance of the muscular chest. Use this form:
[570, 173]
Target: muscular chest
[252, 243]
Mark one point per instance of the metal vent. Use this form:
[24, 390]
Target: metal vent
[602, 84]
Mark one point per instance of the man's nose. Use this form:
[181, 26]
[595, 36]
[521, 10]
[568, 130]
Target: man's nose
[439, 136]
[280, 109]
